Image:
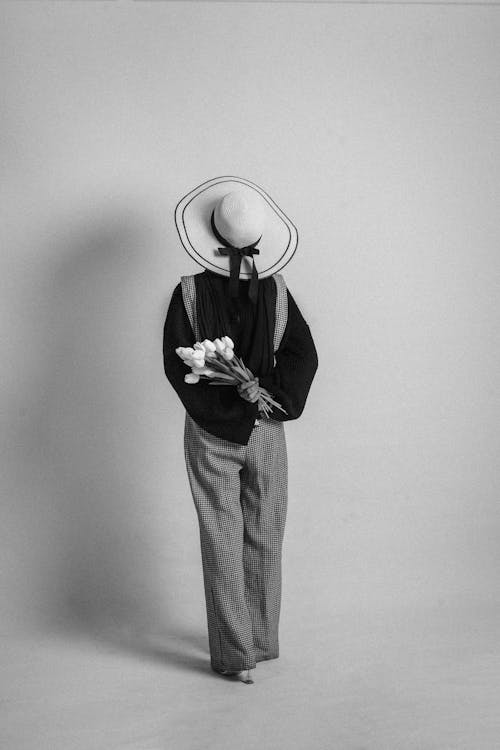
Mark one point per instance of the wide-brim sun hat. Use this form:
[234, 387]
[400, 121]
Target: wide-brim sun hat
[236, 213]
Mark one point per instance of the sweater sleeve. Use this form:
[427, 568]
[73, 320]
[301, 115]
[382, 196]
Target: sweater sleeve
[210, 406]
[295, 368]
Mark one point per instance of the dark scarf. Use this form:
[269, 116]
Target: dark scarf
[236, 255]
[249, 324]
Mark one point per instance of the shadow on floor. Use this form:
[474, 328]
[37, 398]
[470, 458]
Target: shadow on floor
[188, 651]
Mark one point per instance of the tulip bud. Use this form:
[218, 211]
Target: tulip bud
[191, 378]
[184, 352]
[228, 342]
[228, 354]
[208, 346]
[219, 346]
[203, 371]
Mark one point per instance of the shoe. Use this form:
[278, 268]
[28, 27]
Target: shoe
[244, 676]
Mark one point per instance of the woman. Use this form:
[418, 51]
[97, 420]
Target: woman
[236, 458]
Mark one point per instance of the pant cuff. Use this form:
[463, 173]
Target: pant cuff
[266, 657]
[230, 668]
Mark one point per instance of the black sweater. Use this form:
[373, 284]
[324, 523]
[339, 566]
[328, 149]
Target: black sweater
[220, 410]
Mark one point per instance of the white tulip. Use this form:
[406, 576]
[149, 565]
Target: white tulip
[203, 371]
[228, 342]
[208, 346]
[184, 352]
[219, 346]
[191, 378]
[228, 354]
[199, 347]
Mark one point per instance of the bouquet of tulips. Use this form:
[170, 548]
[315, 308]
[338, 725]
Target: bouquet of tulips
[217, 362]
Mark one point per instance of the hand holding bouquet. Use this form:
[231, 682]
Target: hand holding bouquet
[217, 362]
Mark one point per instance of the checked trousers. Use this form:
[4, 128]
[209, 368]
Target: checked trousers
[240, 495]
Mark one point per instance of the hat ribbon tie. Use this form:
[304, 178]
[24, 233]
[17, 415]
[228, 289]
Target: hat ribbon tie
[235, 256]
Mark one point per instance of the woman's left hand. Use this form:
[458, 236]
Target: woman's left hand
[250, 390]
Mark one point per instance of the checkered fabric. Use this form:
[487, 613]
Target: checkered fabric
[189, 298]
[240, 496]
[281, 310]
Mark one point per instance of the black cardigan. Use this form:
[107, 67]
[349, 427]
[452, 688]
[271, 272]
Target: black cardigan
[221, 410]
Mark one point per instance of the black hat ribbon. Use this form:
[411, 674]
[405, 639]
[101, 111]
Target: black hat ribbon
[235, 256]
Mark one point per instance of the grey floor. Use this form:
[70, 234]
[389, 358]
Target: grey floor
[401, 680]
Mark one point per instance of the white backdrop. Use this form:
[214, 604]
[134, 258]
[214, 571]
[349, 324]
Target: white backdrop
[375, 128]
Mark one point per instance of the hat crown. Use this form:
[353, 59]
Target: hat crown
[239, 218]
[274, 234]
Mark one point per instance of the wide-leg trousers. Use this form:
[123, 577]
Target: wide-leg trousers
[240, 495]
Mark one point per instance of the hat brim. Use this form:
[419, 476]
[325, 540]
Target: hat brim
[192, 219]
